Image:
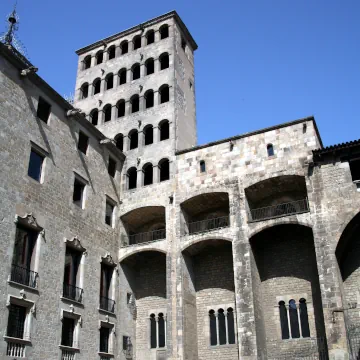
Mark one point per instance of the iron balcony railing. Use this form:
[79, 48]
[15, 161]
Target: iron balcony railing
[23, 276]
[269, 212]
[147, 236]
[72, 292]
[207, 225]
[107, 304]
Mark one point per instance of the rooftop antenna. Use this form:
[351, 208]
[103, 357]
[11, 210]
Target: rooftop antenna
[9, 38]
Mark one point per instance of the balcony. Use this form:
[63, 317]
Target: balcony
[23, 276]
[68, 355]
[204, 213]
[72, 292]
[270, 212]
[198, 227]
[276, 197]
[144, 225]
[107, 304]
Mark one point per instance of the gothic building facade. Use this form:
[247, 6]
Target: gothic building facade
[121, 238]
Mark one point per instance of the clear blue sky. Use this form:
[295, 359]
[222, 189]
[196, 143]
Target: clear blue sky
[259, 62]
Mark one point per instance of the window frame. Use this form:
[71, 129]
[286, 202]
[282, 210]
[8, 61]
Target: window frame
[112, 203]
[81, 145]
[84, 183]
[39, 113]
[34, 148]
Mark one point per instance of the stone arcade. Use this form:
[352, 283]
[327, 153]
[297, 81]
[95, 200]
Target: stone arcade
[121, 238]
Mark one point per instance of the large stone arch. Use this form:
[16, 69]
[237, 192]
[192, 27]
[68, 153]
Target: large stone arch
[284, 268]
[208, 284]
[130, 251]
[198, 240]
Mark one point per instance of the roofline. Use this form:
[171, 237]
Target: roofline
[20, 62]
[333, 149]
[237, 137]
[140, 27]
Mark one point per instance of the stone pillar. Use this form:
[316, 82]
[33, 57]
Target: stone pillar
[127, 107]
[156, 134]
[128, 75]
[139, 180]
[156, 65]
[113, 112]
[156, 98]
[102, 86]
[142, 70]
[93, 61]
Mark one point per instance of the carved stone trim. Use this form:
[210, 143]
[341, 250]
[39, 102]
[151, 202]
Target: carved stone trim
[108, 260]
[75, 244]
[71, 314]
[29, 220]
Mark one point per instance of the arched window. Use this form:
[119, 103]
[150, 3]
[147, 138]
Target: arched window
[122, 76]
[119, 139]
[99, 57]
[213, 331]
[202, 166]
[164, 61]
[109, 81]
[149, 99]
[284, 320]
[94, 116]
[132, 181]
[148, 134]
[222, 327]
[107, 113]
[124, 47]
[135, 103]
[294, 320]
[150, 66]
[111, 52]
[97, 86]
[84, 90]
[148, 174]
[87, 62]
[270, 150]
[137, 42]
[134, 139]
[230, 325]
[135, 71]
[164, 167]
[164, 94]
[164, 31]
[164, 130]
[150, 37]
[120, 108]
[161, 335]
[304, 319]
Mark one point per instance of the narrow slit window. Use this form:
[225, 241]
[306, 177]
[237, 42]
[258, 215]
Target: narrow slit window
[78, 194]
[231, 325]
[153, 341]
[304, 319]
[112, 167]
[183, 43]
[270, 150]
[284, 320]
[35, 165]
[109, 213]
[161, 334]
[213, 332]
[94, 116]
[202, 166]
[294, 320]
[43, 110]
[222, 327]
[83, 142]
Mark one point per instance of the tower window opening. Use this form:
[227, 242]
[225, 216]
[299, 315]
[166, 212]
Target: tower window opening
[133, 136]
[183, 43]
[87, 62]
[150, 66]
[148, 174]
[137, 42]
[83, 142]
[150, 37]
[112, 167]
[304, 319]
[270, 150]
[111, 52]
[164, 167]
[148, 135]
[132, 178]
[135, 71]
[164, 92]
[124, 46]
[107, 112]
[355, 170]
[164, 61]
[222, 327]
[284, 320]
[149, 99]
[202, 166]
[97, 86]
[294, 320]
[122, 76]
[164, 130]
[157, 331]
[119, 139]
[164, 31]
[43, 110]
[109, 81]
[94, 116]
[84, 91]
[135, 104]
[109, 220]
[121, 108]
[99, 57]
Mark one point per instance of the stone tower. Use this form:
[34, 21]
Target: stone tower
[135, 84]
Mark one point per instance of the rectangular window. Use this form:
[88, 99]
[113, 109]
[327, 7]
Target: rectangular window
[67, 335]
[79, 190]
[104, 339]
[43, 110]
[16, 322]
[125, 342]
[355, 170]
[112, 167]
[71, 290]
[109, 213]
[35, 165]
[83, 142]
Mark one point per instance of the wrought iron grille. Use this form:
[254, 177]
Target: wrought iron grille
[270, 212]
[107, 304]
[15, 349]
[23, 276]
[147, 237]
[67, 355]
[208, 225]
[72, 292]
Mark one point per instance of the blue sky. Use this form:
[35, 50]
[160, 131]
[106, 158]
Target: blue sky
[259, 62]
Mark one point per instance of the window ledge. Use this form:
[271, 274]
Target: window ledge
[14, 283]
[69, 348]
[65, 299]
[105, 354]
[17, 340]
[106, 312]
[214, 347]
